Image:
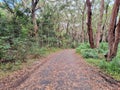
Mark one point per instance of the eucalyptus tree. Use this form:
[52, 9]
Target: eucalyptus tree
[105, 20]
[33, 6]
[99, 30]
[113, 32]
[89, 24]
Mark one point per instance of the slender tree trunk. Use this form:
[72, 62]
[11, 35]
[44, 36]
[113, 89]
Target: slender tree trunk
[113, 38]
[83, 32]
[83, 19]
[98, 35]
[67, 28]
[89, 24]
[35, 27]
[104, 34]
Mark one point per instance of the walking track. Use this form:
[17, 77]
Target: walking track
[65, 70]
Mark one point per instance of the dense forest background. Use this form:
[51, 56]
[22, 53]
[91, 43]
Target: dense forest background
[30, 27]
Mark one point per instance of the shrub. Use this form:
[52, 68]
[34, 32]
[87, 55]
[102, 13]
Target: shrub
[10, 66]
[21, 48]
[103, 48]
[103, 64]
[4, 47]
[17, 50]
[82, 46]
[89, 53]
[86, 51]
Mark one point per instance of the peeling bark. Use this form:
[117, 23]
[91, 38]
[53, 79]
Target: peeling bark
[89, 24]
[113, 32]
[99, 31]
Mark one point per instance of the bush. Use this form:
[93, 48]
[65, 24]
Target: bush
[4, 47]
[36, 50]
[17, 50]
[10, 66]
[103, 48]
[103, 64]
[89, 53]
[82, 46]
[21, 49]
[86, 51]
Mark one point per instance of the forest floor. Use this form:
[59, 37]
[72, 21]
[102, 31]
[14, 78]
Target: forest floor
[63, 70]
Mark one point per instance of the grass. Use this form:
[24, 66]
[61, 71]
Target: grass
[94, 62]
[109, 68]
[96, 58]
[9, 68]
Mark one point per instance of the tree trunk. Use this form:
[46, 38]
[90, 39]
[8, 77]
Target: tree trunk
[83, 32]
[98, 35]
[35, 27]
[113, 38]
[83, 18]
[104, 27]
[117, 39]
[89, 24]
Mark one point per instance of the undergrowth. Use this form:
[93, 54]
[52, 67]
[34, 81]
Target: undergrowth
[34, 54]
[96, 58]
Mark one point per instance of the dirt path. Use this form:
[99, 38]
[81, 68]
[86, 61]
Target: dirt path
[65, 71]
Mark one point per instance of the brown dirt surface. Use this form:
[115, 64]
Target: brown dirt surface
[64, 70]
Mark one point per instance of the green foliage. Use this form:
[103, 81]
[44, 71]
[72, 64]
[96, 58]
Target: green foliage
[16, 51]
[95, 62]
[3, 47]
[36, 51]
[112, 68]
[21, 48]
[47, 27]
[14, 32]
[103, 48]
[83, 46]
[10, 66]
[86, 51]
[89, 53]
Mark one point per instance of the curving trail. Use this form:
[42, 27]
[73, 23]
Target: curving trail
[66, 71]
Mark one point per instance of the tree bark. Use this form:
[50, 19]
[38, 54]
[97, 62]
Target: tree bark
[89, 24]
[98, 35]
[104, 34]
[117, 39]
[113, 32]
[35, 26]
[83, 18]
